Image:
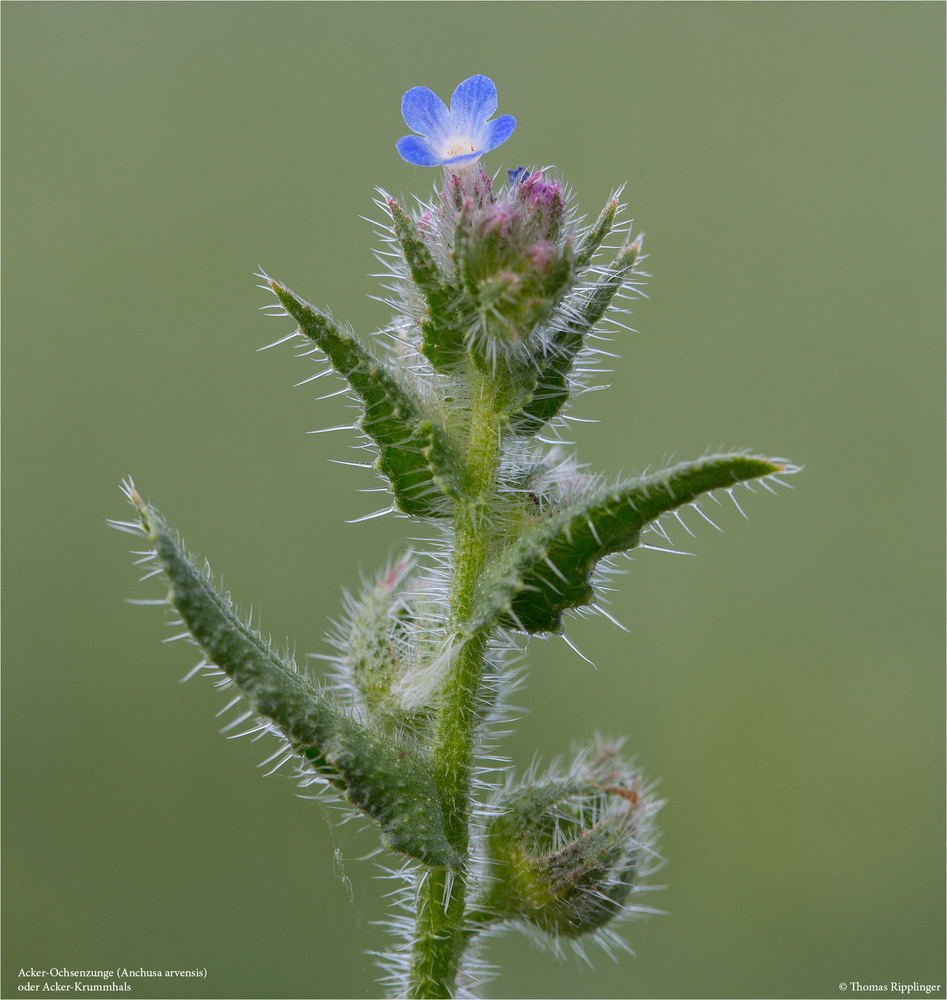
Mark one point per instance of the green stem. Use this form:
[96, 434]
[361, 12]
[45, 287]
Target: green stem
[441, 936]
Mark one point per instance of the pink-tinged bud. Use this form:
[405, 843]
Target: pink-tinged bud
[511, 258]
[461, 187]
[545, 203]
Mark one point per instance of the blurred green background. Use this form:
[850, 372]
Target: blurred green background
[786, 163]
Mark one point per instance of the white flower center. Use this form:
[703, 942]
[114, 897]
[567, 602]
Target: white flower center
[460, 147]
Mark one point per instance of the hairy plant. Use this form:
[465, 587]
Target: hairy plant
[498, 292]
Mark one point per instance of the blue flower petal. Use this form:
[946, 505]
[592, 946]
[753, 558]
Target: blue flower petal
[496, 132]
[459, 135]
[472, 103]
[425, 113]
[418, 151]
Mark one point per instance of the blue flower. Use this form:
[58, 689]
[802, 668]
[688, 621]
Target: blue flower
[459, 135]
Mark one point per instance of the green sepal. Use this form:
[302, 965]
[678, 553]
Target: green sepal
[395, 418]
[442, 330]
[596, 236]
[580, 312]
[388, 780]
[548, 569]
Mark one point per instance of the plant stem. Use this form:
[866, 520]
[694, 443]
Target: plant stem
[440, 932]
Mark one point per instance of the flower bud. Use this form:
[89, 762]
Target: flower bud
[545, 203]
[380, 658]
[565, 853]
[511, 258]
[372, 651]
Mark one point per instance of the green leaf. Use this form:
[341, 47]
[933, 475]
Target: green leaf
[442, 340]
[411, 442]
[388, 780]
[548, 569]
[578, 315]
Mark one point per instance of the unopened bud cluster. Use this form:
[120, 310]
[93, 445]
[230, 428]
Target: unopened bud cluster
[513, 259]
[566, 851]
